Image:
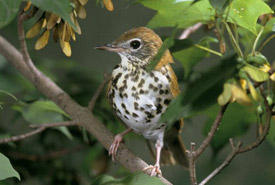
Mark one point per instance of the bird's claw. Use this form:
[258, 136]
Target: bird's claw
[114, 146]
[155, 170]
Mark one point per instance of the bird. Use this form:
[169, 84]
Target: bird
[139, 97]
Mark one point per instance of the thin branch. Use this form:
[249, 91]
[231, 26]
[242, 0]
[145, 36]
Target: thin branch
[188, 31]
[266, 127]
[229, 158]
[98, 91]
[238, 149]
[211, 133]
[82, 114]
[39, 129]
[266, 41]
[208, 50]
[256, 41]
[192, 164]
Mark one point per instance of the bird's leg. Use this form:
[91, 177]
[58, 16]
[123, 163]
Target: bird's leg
[118, 138]
[155, 170]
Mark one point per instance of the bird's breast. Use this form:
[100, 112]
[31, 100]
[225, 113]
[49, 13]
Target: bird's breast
[139, 98]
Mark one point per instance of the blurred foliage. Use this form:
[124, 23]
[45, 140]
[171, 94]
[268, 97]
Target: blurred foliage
[70, 155]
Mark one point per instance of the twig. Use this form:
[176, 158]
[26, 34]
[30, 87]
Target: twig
[266, 41]
[262, 136]
[188, 31]
[208, 49]
[238, 149]
[40, 128]
[256, 41]
[98, 91]
[48, 156]
[192, 166]
[211, 133]
[229, 158]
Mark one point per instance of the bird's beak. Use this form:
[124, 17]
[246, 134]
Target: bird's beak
[110, 47]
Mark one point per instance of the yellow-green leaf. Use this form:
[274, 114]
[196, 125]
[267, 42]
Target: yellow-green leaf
[253, 91]
[226, 94]
[255, 73]
[239, 95]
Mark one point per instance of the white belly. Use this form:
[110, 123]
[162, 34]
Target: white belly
[141, 101]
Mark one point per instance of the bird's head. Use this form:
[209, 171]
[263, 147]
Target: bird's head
[137, 46]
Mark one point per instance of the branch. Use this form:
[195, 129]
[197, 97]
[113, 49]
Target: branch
[78, 113]
[40, 128]
[235, 150]
[211, 133]
[192, 166]
[238, 149]
[262, 136]
[188, 31]
[98, 91]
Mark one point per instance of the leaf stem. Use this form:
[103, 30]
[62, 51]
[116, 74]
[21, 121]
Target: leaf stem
[233, 40]
[256, 41]
[266, 41]
[207, 49]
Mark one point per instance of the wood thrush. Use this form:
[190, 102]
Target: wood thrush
[139, 98]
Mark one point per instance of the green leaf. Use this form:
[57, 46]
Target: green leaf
[258, 59]
[220, 5]
[245, 13]
[168, 42]
[6, 169]
[191, 56]
[44, 111]
[255, 73]
[60, 7]
[132, 179]
[201, 92]
[229, 128]
[8, 11]
[183, 14]
[103, 179]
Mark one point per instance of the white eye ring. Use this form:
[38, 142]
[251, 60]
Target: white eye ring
[135, 43]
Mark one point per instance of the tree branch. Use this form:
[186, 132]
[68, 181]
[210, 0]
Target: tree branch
[235, 150]
[211, 133]
[238, 149]
[78, 113]
[98, 91]
[39, 129]
[192, 166]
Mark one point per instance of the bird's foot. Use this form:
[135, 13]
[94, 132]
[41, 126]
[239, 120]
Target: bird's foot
[155, 170]
[114, 146]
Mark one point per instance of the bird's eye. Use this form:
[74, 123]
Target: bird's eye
[135, 44]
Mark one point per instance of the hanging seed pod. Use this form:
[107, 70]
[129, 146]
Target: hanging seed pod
[55, 34]
[66, 48]
[43, 40]
[78, 29]
[52, 21]
[66, 34]
[28, 5]
[81, 12]
[108, 5]
[83, 2]
[35, 29]
[72, 33]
